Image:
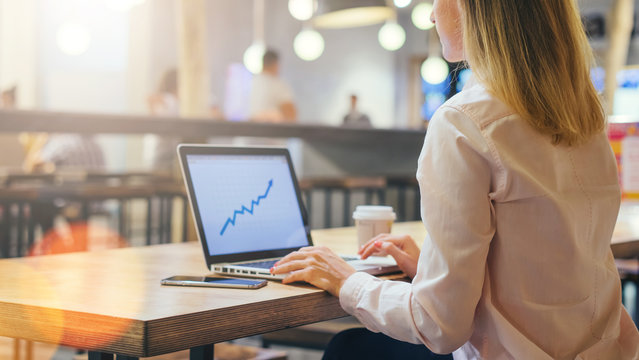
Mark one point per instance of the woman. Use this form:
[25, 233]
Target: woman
[519, 196]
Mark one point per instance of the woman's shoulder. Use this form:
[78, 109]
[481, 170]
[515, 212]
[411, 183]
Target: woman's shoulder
[478, 104]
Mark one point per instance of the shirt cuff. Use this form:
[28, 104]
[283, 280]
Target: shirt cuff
[350, 292]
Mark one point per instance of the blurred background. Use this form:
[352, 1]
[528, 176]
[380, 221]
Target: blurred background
[96, 94]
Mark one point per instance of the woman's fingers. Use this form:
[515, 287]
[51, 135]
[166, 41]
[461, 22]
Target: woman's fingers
[318, 266]
[405, 261]
[290, 266]
[295, 276]
[374, 249]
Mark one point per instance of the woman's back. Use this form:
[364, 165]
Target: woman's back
[551, 282]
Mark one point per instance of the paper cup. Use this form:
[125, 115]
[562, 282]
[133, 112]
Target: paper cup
[371, 221]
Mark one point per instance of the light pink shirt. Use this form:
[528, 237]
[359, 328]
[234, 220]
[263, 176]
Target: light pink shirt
[517, 264]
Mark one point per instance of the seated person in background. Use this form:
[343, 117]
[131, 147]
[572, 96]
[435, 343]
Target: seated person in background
[71, 151]
[355, 118]
[65, 151]
[159, 151]
[271, 97]
[62, 152]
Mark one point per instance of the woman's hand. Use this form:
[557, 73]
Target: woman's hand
[315, 265]
[401, 247]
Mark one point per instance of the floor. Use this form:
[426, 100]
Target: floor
[53, 352]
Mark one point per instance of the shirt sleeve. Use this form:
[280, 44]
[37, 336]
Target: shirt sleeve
[438, 307]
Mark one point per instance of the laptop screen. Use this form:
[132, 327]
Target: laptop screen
[246, 203]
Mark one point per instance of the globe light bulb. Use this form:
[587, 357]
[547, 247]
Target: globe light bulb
[434, 70]
[301, 9]
[308, 45]
[391, 36]
[123, 5]
[421, 16]
[253, 57]
[402, 3]
[73, 39]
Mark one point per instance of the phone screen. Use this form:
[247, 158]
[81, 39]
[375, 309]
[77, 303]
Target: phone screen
[213, 282]
[231, 281]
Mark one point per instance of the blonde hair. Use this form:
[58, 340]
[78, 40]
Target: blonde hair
[534, 56]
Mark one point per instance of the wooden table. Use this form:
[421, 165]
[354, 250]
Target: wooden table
[111, 302]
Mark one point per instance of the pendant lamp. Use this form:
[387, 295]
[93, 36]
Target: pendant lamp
[336, 14]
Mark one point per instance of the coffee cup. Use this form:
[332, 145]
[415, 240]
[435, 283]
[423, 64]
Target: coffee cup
[372, 220]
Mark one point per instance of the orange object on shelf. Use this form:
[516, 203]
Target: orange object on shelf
[624, 140]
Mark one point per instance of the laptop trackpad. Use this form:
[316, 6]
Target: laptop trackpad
[376, 265]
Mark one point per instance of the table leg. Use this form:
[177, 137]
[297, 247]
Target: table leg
[636, 309]
[16, 349]
[124, 357]
[96, 355]
[29, 350]
[202, 353]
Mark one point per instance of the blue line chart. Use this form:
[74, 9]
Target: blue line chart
[244, 209]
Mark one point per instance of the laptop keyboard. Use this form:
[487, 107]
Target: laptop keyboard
[267, 264]
[260, 264]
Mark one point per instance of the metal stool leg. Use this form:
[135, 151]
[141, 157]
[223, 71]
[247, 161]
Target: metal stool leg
[185, 212]
[169, 219]
[328, 204]
[202, 352]
[347, 208]
[20, 230]
[95, 355]
[149, 220]
[401, 203]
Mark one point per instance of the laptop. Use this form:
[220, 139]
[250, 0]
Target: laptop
[248, 210]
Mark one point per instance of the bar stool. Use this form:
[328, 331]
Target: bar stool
[346, 186]
[403, 184]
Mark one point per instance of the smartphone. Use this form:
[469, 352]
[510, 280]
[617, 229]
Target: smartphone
[210, 281]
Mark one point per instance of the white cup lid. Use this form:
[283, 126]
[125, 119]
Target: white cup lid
[374, 212]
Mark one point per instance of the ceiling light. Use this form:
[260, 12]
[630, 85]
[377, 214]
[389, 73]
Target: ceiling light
[434, 70]
[123, 5]
[402, 3]
[73, 39]
[301, 9]
[253, 57]
[391, 36]
[336, 14]
[308, 45]
[421, 16]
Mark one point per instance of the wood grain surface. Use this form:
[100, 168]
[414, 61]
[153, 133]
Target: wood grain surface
[112, 300]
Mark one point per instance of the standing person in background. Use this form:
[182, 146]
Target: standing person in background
[519, 197]
[8, 98]
[159, 151]
[164, 102]
[271, 97]
[355, 118]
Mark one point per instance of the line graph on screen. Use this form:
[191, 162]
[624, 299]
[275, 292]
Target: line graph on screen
[231, 220]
